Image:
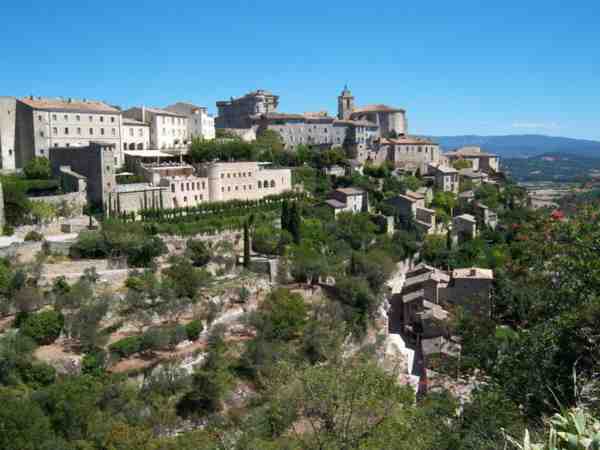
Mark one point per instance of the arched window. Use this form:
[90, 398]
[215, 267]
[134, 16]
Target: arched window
[140, 146]
[272, 183]
[132, 146]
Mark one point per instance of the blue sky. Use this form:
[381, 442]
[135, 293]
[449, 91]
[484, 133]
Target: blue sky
[458, 67]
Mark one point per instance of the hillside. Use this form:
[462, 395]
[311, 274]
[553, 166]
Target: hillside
[519, 146]
[558, 167]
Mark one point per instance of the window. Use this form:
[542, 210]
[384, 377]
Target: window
[228, 188]
[112, 120]
[124, 145]
[228, 175]
[114, 131]
[185, 199]
[108, 169]
[55, 131]
[272, 183]
[101, 118]
[40, 117]
[55, 145]
[68, 145]
[188, 186]
[102, 131]
[196, 197]
[91, 118]
[53, 116]
[131, 132]
[203, 185]
[222, 189]
[66, 117]
[78, 130]
[201, 197]
[260, 184]
[182, 187]
[236, 188]
[77, 117]
[140, 132]
[91, 131]
[66, 131]
[173, 187]
[41, 133]
[222, 175]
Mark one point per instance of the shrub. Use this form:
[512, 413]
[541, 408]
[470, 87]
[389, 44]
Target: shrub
[34, 236]
[38, 374]
[126, 346]
[8, 230]
[197, 252]
[43, 327]
[193, 330]
[37, 168]
[93, 363]
[142, 255]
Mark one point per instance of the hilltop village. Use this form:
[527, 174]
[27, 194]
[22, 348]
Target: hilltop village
[171, 279]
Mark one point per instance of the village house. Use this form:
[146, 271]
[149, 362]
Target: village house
[348, 200]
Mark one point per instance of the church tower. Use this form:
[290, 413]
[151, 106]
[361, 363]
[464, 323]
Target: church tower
[345, 104]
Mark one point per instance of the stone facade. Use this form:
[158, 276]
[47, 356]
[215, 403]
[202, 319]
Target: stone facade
[237, 112]
[244, 181]
[412, 206]
[135, 134]
[464, 228]
[200, 123]
[480, 160]
[45, 123]
[96, 163]
[348, 200]
[445, 178]
[422, 306]
[168, 130]
[8, 127]
[410, 150]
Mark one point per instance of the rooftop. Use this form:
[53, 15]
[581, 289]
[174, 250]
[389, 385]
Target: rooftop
[351, 191]
[473, 272]
[128, 121]
[470, 173]
[147, 153]
[136, 187]
[335, 204]
[468, 151]
[164, 112]
[69, 105]
[445, 169]
[406, 140]
[376, 108]
[467, 217]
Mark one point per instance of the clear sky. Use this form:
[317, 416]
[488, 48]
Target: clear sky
[458, 67]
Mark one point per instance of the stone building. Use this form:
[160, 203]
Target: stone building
[8, 152]
[422, 307]
[348, 200]
[96, 163]
[45, 123]
[238, 112]
[412, 206]
[244, 180]
[306, 129]
[445, 178]
[410, 152]
[388, 120]
[168, 130]
[480, 160]
[200, 123]
[135, 134]
[464, 228]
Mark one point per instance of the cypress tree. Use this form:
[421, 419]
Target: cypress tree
[285, 216]
[246, 245]
[294, 222]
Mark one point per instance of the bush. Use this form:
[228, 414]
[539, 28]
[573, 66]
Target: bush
[197, 252]
[193, 330]
[126, 346]
[34, 236]
[93, 363]
[38, 374]
[37, 168]
[43, 327]
[8, 230]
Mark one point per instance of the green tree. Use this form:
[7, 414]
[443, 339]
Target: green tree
[197, 252]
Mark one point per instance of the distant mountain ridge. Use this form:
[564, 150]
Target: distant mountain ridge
[522, 146]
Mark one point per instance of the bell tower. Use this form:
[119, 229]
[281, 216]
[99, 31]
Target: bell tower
[345, 104]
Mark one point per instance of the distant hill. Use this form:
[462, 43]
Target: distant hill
[521, 146]
[556, 167]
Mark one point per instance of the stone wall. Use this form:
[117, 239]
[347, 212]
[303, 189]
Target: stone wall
[75, 200]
